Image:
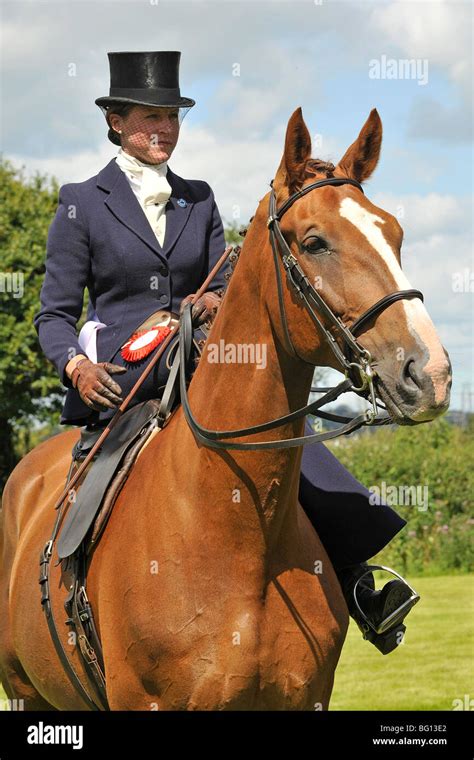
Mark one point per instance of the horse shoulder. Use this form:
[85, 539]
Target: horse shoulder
[37, 479]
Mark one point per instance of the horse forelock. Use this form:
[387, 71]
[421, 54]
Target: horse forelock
[315, 166]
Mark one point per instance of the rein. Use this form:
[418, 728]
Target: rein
[353, 357]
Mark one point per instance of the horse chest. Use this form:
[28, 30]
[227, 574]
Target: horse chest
[238, 654]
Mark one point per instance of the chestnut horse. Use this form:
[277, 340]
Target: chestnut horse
[210, 587]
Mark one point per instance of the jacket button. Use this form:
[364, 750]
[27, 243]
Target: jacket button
[163, 299]
[163, 271]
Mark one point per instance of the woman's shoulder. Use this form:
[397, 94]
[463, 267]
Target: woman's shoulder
[198, 189]
[78, 188]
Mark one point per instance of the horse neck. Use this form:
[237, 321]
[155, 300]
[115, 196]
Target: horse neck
[226, 396]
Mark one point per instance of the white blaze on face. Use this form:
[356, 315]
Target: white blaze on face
[418, 321]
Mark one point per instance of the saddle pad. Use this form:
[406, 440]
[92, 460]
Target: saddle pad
[82, 511]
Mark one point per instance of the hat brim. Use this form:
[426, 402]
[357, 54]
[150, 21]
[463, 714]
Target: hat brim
[108, 101]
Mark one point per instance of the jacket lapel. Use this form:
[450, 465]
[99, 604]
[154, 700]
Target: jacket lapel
[178, 209]
[123, 203]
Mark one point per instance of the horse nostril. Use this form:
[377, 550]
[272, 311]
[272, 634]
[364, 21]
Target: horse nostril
[410, 378]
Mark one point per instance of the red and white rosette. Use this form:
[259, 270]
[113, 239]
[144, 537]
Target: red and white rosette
[143, 342]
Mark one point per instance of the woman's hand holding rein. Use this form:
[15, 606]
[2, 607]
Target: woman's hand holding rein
[204, 307]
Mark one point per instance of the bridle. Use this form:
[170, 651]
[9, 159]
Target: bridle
[355, 358]
[352, 357]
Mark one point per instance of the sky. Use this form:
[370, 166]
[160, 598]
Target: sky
[249, 65]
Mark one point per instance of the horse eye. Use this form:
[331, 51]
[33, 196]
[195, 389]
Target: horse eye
[314, 244]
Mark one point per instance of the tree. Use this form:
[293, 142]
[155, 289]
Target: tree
[232, 233]
[29, 386]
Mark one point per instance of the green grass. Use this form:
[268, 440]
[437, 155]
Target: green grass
[432, 668]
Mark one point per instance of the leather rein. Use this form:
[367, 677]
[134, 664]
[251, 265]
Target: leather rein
[353, 358]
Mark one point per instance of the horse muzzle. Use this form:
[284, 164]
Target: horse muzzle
[411, 392]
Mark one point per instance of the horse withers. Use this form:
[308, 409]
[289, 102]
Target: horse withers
[210, 587]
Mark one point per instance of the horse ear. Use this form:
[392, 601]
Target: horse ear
[360, 160]
[291, 172]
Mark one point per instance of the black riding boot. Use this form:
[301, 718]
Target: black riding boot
[381, 613]
[89, 435]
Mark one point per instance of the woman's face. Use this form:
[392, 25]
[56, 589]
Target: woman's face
[149, 133]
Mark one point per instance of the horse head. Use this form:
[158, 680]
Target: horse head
[350, 252]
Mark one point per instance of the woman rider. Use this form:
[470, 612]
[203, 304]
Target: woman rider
[141, 239]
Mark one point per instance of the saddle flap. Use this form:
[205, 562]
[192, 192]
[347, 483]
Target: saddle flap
[84, 507]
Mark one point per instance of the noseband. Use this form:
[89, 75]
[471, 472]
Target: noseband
[353, 358]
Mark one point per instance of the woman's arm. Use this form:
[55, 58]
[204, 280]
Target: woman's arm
[62, 293]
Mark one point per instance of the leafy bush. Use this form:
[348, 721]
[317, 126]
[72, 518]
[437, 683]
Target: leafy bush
[437, 459]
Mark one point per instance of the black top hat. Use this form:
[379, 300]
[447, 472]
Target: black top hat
[149, 79]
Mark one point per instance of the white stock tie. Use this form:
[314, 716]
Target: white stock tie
[149, 183]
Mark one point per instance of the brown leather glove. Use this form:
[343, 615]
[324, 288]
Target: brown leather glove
[204, 308]
[96, 388]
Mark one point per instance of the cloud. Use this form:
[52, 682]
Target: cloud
[75, 167]
[269, 78]
[432, 119]
[439, 31]
[430, 265]
[293, 63]
[422, 216]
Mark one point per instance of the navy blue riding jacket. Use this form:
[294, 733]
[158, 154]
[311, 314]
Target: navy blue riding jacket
[101, 240]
